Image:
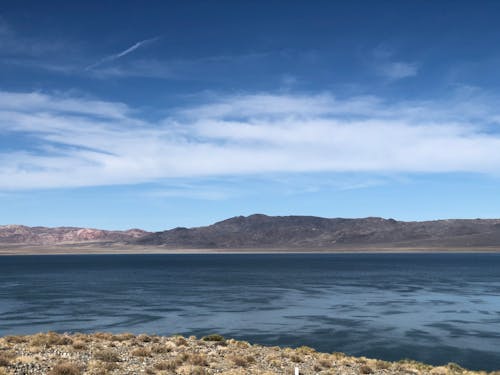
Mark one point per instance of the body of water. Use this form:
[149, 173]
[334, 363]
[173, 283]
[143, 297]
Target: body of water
[436, 308]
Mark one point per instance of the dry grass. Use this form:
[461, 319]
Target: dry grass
[198, 360]
[455, 368]
[382, 365]
[242, 361]
[117, 354]
[65, 368]
[160, 349]
[191, 370]
[141, 352]
[49, 339]
[79, 345]
[107, 355]
[16, 339]
[144, 338]
[6, 358]
[325, 363]
[180, 341]
[106, 336]
[216, 338]
[305, 350]
[410, 363]
[123, 337]
[365, 369]
[168, 365]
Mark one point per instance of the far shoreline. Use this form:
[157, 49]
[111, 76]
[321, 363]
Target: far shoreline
[83, 249]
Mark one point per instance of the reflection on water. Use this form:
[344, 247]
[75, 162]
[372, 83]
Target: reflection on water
[436, 308]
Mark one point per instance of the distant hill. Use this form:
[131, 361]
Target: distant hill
[309, 232]
[278, 232]
[20, 234]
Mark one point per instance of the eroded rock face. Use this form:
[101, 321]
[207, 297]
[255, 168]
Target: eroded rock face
[20, 234]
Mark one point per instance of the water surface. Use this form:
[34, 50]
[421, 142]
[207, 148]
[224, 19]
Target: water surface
[436, 308]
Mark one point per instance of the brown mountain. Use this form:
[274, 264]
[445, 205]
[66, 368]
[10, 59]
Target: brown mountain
[308, 232]
[20, 234]
[276, 232]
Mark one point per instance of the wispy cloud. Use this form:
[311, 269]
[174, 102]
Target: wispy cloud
[123, 53]
[181, 68]
[88, 142]
[387, 66]
[397, 70]
[15, 45]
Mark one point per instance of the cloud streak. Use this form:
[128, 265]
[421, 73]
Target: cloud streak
[88, 142]
[123, 53]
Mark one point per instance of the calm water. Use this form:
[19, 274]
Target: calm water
[436, 308]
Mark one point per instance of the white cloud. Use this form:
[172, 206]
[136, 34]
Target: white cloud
[85, 142]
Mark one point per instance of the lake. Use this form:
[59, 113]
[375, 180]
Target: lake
[436, 308]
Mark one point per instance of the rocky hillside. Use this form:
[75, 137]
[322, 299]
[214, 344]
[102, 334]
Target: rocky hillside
[20, 234]
[308, 232]
[106, 353]
[278, 232]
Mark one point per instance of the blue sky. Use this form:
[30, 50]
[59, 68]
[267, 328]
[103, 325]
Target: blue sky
[184, 113]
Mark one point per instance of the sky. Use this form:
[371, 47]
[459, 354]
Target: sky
[161, 114]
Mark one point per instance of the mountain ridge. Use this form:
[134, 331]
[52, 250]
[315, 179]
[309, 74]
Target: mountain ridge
[259, 231]
[311, 232]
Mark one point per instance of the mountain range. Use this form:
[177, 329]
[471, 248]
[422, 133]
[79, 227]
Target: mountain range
[275, 232]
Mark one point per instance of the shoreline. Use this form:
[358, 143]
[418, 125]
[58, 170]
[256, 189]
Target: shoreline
[106, 353]
[6, 250]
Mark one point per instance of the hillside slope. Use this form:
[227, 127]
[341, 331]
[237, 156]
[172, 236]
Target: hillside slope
[308, 232]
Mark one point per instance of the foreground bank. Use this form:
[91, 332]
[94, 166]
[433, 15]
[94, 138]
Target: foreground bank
[105, 353]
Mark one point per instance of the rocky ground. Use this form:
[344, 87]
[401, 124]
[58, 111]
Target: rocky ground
[106, 353]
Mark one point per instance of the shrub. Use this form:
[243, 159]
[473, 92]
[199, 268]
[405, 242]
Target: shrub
[141, 352]
[305, 350]
[5, 359]
[365, 369]
[198, 360]
[180, 341]
[16, 339]
[79, 345]
[455, 367]
[65, 368]
[242, 344]
[192, 370]
[107, 355]
[214, 337]
[144, 338]
[382, 365]
[168, 365]
[103, 336]
[159, 349]
[338, 355]
[325, 363]
[49, 339]
[242, 361]
[122, 337]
